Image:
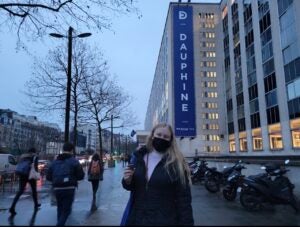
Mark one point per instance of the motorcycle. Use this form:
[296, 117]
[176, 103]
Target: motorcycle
[197, 174]
[214, 178]
[271, 187]
[234, 182]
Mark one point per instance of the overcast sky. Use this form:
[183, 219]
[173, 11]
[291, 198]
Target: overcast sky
[131, 51]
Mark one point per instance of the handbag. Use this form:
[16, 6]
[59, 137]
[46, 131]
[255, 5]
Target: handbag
[33, 174]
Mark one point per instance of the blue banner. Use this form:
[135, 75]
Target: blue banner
[184, 87]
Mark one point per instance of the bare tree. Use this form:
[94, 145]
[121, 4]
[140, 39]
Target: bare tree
[106, 99]
[47, 87]
[34, 18]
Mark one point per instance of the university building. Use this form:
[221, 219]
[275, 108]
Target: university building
[228, 77]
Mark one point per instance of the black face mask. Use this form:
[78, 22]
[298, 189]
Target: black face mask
[160, 145]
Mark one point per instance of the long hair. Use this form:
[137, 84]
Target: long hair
[175, 159]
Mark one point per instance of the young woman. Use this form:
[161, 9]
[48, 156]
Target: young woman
[31, 156]
[159, 182]
[95, 172]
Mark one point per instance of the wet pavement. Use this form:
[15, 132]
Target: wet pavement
[209, 209]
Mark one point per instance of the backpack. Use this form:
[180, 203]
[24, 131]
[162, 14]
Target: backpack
[23, 167]
[95, 168]
[63, 173]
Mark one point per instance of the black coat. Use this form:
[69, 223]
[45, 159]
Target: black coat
[161, 201]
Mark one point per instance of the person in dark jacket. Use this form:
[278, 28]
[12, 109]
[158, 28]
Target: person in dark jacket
[159, 182]
[64, 172]
[30, 155]
[95, 172]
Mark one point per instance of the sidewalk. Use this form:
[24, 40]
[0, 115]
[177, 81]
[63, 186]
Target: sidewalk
[111, 201]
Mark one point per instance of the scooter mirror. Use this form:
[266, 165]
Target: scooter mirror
[240, 161]
[287, 161]
[263, 167]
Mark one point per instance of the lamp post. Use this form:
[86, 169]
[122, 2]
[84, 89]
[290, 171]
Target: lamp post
[69, 76]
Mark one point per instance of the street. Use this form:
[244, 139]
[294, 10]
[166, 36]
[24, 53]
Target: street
[208, 208]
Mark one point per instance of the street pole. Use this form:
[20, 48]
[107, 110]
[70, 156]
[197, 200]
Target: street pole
[69, 79]
[111, 135]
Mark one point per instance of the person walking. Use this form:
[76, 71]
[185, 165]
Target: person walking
[159, 183]
[28, 158]
[64, 173]
[95, 172]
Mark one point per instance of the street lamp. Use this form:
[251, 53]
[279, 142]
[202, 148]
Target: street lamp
[69, 76]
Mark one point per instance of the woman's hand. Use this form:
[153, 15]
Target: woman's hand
[128, 173]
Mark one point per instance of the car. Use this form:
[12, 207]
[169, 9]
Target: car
[7, 163]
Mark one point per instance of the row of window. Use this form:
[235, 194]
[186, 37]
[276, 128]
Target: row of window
[210, 105]
[208, 94]
[207, 44]
[209, 84]
[210, 137]
[208, 54]
[210, 126]
[207, 25]
[208, 35]
[214, 148]
[207, 15]
[211, 116]
[208, 74]
[208, 64]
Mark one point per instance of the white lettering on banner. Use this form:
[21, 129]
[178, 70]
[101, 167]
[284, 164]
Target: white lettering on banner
[182, 36]
[184, 107]
[183, 47]
[183, 56]
[183, 76]
[183, 65]
[182, 15]
[185, 97]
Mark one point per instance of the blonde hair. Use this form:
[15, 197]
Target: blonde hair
[175, 159]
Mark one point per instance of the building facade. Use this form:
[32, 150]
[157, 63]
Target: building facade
[227, 77]
[20, 132]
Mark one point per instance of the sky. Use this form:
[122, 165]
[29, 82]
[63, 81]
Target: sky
[131, 50]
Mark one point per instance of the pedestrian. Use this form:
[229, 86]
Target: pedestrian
[95, 173]
[64, 173]
[159, 183]
[26, 159]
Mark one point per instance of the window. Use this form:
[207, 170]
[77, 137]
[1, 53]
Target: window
[253, 92]
[268, 67]
[265, 22]
[257, 141]
[230, 128]
[295, 131]
[292, 70]
[255, 120]
[231, 143]
[294, 108]
[270, 82]
[275, 137]
[242, 125]
[243, 141]
[254, 107]
[273, 115]
[271, 98]
[283, 5]
[240, 99]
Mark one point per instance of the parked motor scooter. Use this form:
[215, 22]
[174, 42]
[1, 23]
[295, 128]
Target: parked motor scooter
[214, 178]
[197, 174]
[234, 182]
[262, 188]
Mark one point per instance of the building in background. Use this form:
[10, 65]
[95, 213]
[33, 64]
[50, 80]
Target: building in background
[20, 132]
[228, 77]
